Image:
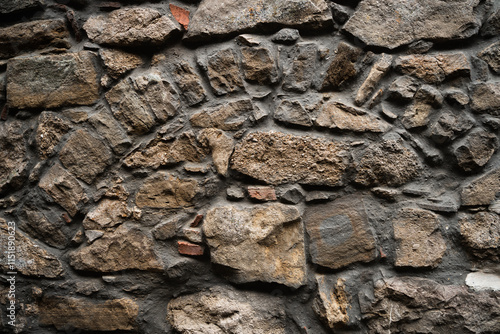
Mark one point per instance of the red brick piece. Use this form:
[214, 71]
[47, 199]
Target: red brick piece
[66, 218]
[187, 248]
[197, 221]
[181, 15]
[262, 193]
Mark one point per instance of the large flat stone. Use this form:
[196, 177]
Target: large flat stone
[8, 7]
[434, 68]
[231, 115]
[223, 72]
[485, 97]
[482, 190]
[481, 234]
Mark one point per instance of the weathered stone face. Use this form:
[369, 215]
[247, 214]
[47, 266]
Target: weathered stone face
[331, 303]
[221, 147]
[486, 97]
[258, 65]
[214, 311]
[434, 68]
[119, 62]
[292, 112]
[260, 243]
[188, 82]
[51, 128]
[476, 150]
[13, 156]
[277, 158]
[482, 190]
[108, 214]
[52, 81]
[298, 76]
[339, 233]
[481, 233]
[342, 68]
[8, 7]
[491, 55]
[223, 72]
[228, 116]
[109, 128]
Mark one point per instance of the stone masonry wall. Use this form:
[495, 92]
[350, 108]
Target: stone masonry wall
[249, 166]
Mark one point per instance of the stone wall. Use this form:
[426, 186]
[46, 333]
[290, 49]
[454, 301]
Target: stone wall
[230, 166]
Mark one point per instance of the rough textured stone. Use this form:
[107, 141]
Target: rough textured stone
[262, 193]
[163, 190]
[457, 97]
[51, 128]
[299, 71]
[449, 126]
[107, 214]
[85, 156]
[337, 115]
[481, 234]
[131, 27]
[216, 18]
[225, 310]
[31, 259]
[43, 227]
[485, 97]
[492, 25]
[260, 243]
[221, 147]
[26, 37]
[342, 68]
[418, 113]
[277, 158]
[403, 88]
[119, 62]
[398, 22]
[188, 82]
[412, 304]
[223, 72]
[482, 190]
[231, 115]
[9, 7]
[286, 36]
[292, 112]
[377, 72]
[187, 248]
[420, 243]
[339, 233]
[13, 156]
[124, 249]
[475, 150]
[388, 163]
[78, 313]
[52, 81]
[258, 65]
[109, 128]
[491, 55]
[63, 188]
[331, 303]
[434, 68]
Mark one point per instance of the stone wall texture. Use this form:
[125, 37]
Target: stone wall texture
[249, 166]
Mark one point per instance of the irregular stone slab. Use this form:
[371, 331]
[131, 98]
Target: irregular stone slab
[63, 188]
[377, 72]
[259, 243]
[339, 233]
[424, 306]
[68, 312]
[258, 65]
[31, 259]
[388, 163]
[160, 153]
[52, 81]
[491, 55]
[163, 190]
[216, 19]
[337, 115]
[480, 281]
[481, 234]
[131, 27]
[342, 68]
[292, 112]
[221, 147]
[403, 88]
[286, 36]
[299, 69]
[228, 116]
[106, 215]
[475, 150]
[109, 128]
[482, 190]
[124, 249]
[225, 310]
[26, 37]
[331, 303]
[434, 68]
[189, 83]
[119, 62]
[278, 158]
[449, 126]
[223, 72]
[43, 226]
[485, 97]
[85, 156]
[49, 132]
[13, 156]
[397, 22]
[418, 113]
[8, 7]
[420, 243]
[492, 25]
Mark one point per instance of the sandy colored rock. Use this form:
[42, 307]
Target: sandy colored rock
[397, 22]
[337, 115]
[223, 72]
[420, 243]
[51, 128]
[434, 68]
[292, 112]
[481, 234]
[299, 73]
[377, 72]
[107, 214]
[485, 97]
[31, 259]
[189, 83]
[231, 115]
[482, 190]
[85, 156]
[491, 55]
[225, 310]
[30, 36]
[63, 188]
[258, 243]
[258, 65]
[342, 68]
[126, 248]
[475, 150]
[339, 233]
[403, 88]
[119, 62]
[131, 27]
[163, 190]
[108, 127]
[13, 156]
[65, 312]
[331, 303]
[52, 81]
[221, 147]
[278, 158]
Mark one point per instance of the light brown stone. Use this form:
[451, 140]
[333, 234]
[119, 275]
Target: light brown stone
[434, 68]
[221, 147]
[51, 128]
[107, 214]
[482, 190]
[13, 156]
[331, 303]
[485, 97]
[258, 65]
[189, 83]
[228, 116]
[119, 62]
[342, 68]
[481, 234]
[223, 72]
[376, 73]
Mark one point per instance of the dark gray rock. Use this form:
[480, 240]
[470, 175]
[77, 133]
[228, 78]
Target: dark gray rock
[485, 97]
[9, 7]
[286, 36]
[491, 55]
[403, 88]
[475, 150]
[109, 128]
[292, 112]
[13, 156]
[189, 83]
[223, 72]
[449, 126]
[491, 27]
[298, 69]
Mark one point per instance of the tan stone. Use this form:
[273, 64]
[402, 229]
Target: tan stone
[228, 116]
[434, 68]
[107, 214]
[223, 72]
[189, 83]
[119, 62]
[221, 147]
[331, 303]
[51, 128]
[13, 156]
[481, 233]
[377, 72]
[259, 65]
[342, 68]
[482, 190]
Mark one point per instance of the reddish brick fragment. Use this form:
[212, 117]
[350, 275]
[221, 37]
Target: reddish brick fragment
[262, 193]
[187, 248]
[181, 15]
[66, 218]
[197, 221]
